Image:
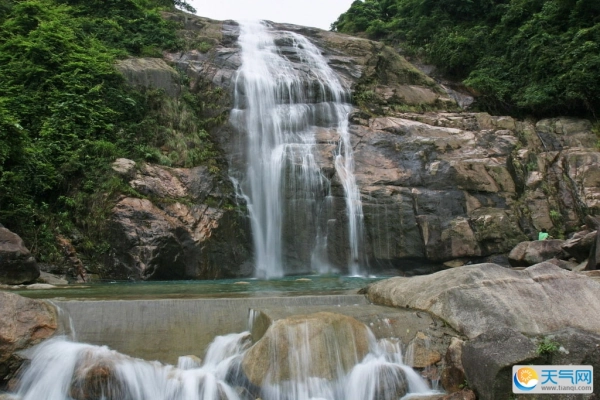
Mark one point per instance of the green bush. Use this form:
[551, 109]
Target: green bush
[66, 114]
[538, 57]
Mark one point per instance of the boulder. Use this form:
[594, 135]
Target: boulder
[419, 353]
[333, 342]
[575, 347]
[488, 360]
[95, 377]
[476, 298]
[124, 167]
[176, 242]
[453, 375]
[571, 266]
[51, 279]
[17, 265]
[579, 245]
[25, 322]
[381, 382]
[526, 254]
[594, 258]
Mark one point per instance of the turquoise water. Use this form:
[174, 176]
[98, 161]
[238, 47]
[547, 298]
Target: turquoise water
[288, 286]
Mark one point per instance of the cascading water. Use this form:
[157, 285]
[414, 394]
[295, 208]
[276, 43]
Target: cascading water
[284, 92]
[63, 370]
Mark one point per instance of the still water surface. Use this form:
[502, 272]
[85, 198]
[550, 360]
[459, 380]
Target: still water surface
[287, 286]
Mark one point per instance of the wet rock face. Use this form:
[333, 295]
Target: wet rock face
[25, 322]
[96, 378]
[176, 235]
[434, 186]
[17, 265]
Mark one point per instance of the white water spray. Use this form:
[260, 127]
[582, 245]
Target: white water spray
[64, 370]
[284, 91]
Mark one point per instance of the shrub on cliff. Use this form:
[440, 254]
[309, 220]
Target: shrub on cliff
[66, 113]
[538, 57]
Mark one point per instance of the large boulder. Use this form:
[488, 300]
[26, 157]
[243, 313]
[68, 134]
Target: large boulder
[474, 299]
[579, 246]
[25, 322]
[526, 254]
[17, 265]
[489, 358]
[333, 343]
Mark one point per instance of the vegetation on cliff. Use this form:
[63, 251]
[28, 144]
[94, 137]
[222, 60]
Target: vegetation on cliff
[66, 113]
[538, 57]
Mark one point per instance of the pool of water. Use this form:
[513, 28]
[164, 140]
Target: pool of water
[288, 286]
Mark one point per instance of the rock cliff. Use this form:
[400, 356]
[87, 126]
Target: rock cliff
[436, 186]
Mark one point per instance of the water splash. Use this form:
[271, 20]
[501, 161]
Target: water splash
[285, 91]
[64, 370]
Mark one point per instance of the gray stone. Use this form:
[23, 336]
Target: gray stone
[576, 347]
[579, 245]
[571, 266]
[124, 167]
[51, 279]
[420, 353]
[488, 360]
[17, 265]
[594, 259]
[453, 375]
[476, 298]
[531, 253]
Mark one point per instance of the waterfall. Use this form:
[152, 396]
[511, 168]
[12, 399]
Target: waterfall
[284, 92]
[64, 370]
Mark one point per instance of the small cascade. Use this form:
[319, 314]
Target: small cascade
[64, 370]
[316, 366]
[95, 372]
[284, 93]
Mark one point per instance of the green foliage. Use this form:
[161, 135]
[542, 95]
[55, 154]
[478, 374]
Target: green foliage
[66, 114]
[547, 346]
[537, 57]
